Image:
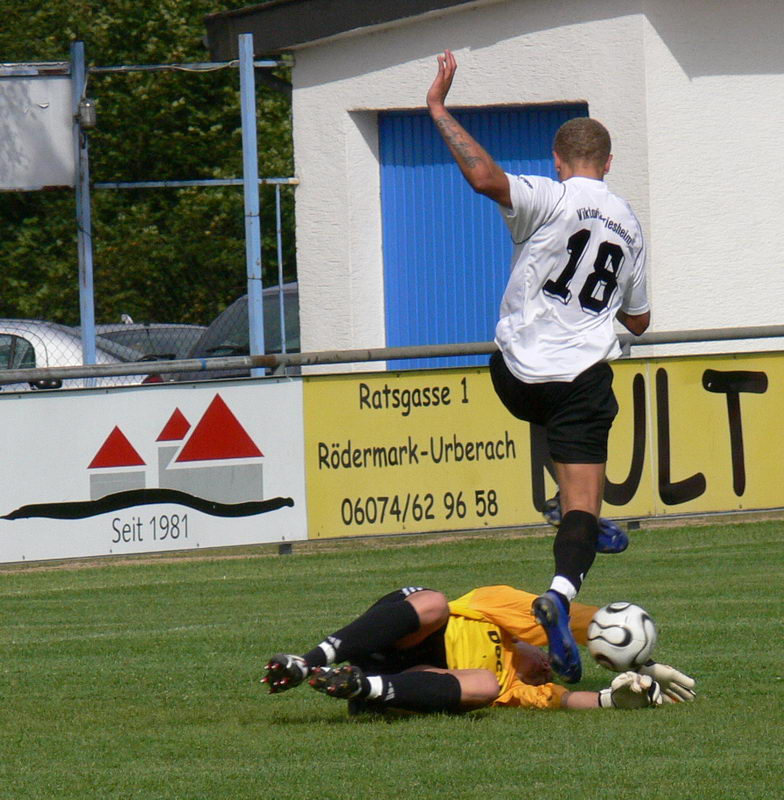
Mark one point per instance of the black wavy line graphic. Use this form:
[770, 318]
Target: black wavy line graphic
[82, 509]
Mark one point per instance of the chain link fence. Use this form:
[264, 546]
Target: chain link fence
[30, 344]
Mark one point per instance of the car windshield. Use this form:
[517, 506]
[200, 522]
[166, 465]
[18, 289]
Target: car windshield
[154, 341]
[228, 335]
[117, 350]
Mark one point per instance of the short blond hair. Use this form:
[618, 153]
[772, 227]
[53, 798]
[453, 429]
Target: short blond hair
[583, 139]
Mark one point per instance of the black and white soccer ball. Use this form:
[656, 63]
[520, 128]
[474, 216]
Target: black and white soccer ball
[621, 636]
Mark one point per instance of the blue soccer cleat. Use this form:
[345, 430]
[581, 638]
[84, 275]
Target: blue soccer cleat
[611, 538]
[551, 613]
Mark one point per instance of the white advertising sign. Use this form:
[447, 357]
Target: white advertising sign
[134, 470]
[36, 148]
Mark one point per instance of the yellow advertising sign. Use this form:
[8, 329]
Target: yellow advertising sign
[412, 451]
[717, 432]
[421, 451]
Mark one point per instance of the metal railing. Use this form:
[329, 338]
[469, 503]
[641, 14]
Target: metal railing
[702, 335]
[277, 363]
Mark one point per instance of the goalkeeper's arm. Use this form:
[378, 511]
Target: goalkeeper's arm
[628, 690]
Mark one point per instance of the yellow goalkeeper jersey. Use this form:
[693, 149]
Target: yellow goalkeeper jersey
[483, 626]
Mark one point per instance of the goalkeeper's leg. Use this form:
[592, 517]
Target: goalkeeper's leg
[399, 620]
[420, 690]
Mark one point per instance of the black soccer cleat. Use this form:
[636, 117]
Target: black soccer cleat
[343, 682]
[285, 672]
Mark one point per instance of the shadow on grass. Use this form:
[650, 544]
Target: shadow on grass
[390, 716]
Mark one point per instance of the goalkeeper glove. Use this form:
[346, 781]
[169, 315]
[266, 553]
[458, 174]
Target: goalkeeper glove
[631, 690]
[676, 687]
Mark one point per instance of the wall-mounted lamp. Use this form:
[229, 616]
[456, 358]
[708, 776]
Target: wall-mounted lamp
[87, 118]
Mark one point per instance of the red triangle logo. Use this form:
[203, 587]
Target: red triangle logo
[116, 451]
[175, 429]
[218, 435]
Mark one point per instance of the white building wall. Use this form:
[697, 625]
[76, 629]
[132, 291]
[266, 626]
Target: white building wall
[715, 77]
[692, 120]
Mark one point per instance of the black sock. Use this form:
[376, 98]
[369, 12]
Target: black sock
[376, 630]
[575, 546]
[419, 691]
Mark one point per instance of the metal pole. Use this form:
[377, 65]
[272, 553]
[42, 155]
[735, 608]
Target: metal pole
[358, 356]
[187, 184]
[84, 231]
[250, 169]
[199, 66]
[281, 301]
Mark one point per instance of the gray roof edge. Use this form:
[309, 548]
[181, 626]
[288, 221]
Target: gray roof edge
[281, 25]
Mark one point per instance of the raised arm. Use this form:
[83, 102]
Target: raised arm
[476, 164]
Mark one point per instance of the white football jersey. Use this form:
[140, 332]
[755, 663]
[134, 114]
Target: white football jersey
[579, 257]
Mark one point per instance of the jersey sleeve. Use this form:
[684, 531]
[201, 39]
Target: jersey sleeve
[522, 695]
[635, 299]
[534, 199]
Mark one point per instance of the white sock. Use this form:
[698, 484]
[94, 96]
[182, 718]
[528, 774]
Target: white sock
[564, 586]
[329, 652]
[376, 686]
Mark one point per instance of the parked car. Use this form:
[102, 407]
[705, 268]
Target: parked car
[228, 334]
[26, 344]
[156, 341]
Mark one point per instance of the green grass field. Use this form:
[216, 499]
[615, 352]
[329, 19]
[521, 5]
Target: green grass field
[140, 679]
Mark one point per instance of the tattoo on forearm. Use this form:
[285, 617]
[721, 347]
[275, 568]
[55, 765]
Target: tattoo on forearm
[458, 143]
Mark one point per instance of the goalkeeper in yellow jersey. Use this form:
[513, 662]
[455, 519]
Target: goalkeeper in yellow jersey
[415, 651]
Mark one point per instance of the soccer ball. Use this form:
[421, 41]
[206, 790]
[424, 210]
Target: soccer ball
[621, 636]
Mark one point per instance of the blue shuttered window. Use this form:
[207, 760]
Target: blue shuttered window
[446, 249]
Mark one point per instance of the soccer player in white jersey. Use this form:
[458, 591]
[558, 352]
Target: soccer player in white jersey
[578, 264]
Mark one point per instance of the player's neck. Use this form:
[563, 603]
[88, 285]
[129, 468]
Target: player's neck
[581, 169]
[567, 172]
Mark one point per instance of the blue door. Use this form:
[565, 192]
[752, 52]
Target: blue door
[446, 249]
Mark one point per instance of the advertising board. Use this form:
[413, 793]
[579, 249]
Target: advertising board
[146, 469]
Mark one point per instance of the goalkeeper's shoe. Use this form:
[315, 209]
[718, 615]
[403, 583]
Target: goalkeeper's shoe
[344, 681]
[285, 672]
[551, 612]
[611, 538]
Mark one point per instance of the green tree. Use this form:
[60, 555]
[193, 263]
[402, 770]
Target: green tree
[161, 254]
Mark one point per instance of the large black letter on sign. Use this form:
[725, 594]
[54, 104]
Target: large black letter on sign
[540, 461]
[732, 384]
[619, 494]
[689, 488]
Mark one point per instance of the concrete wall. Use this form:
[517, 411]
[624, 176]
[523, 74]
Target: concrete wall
[715, 79]
[691, 93]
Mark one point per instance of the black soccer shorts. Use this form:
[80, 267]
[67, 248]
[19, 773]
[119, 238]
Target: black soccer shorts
[577, 415]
